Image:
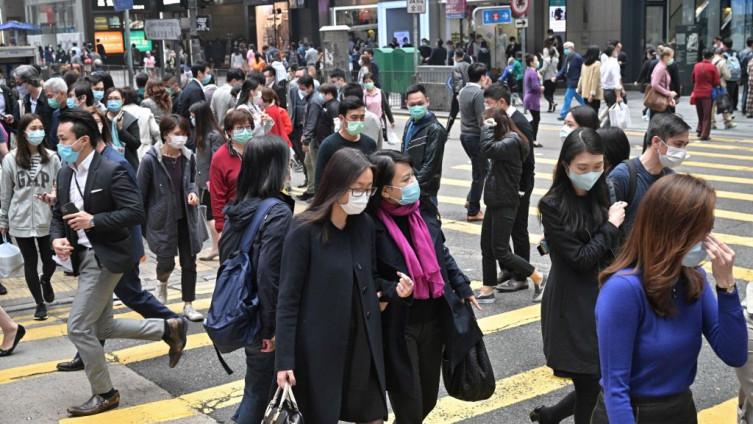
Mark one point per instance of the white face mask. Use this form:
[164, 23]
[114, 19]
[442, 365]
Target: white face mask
[355, 205]
[177, 141]
[565, 131]
[674, 157]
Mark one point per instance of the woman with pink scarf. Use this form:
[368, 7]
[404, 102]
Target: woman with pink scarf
[415, 334]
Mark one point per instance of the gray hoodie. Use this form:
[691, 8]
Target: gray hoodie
[20, 212]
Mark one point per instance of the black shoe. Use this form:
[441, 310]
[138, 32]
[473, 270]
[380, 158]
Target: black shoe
[537, 144]
[559, 118]
[512, 286]
[20, 333]
[70, 274]
[305, 197]
[95, 405]
[504, 276]
[75, 365]
[47, 292]
[537, 415]
[40, 314]
[3, 290]
[176, 338]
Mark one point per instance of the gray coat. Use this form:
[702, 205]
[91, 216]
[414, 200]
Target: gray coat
[160, 228]
[213, 141]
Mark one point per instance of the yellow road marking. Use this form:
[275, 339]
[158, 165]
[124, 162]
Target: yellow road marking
[714, 138]
[717, 166]
[723, 413]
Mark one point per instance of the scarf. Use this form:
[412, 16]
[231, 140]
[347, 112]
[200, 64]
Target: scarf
[117, 122]
[426, 274]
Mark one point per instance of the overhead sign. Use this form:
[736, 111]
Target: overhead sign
[416, 6]
[162, 29]
[498, 15]
[139, 39]
[519, 7]
[112, 40]
[558, 15]
[455, 9]
[121, 5]
[521, 23]
[203, 23]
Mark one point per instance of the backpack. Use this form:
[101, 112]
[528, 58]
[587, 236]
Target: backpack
[733, 64]
[233, 319]
[633, 176]
[458, 80]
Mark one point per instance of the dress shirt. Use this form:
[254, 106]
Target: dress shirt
[610, 74]
[80, 175]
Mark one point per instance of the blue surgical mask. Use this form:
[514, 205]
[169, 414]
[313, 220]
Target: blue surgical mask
[207, 79]
[410, 193]
[586, 180]
[417, 112]
[53, 102]
[242, 136]
[695, 256]
[98, 95]
[114, 106]
[70, 102]
[355, 128]
[567, 52]
[35, 137]
[67, 154]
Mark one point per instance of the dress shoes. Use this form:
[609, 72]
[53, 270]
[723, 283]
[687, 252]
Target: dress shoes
[475, 218]
[76, 364]
[95, 405]
[511, 285]
[3, 290]
[176, 338]
[20, 333]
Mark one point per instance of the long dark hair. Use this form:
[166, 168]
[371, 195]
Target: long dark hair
[264, 168]
[592, 55]
[23, 153]
[205, 123]
[342, 170]
[384, 163]
[248, 86]
[562, 193]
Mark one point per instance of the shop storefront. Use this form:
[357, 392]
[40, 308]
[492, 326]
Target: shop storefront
[60, 22]
[381, 23]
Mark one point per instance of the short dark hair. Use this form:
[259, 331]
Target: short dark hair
[415, 88]
[83, 88]
[141, 79]
[530, 58]
[368, 76]
[337, 73]
[728, 43]
[130, 97]
[306, 80]
[353, 89]
[708, 53]
[498, 92]
[350, 103]
[70, 77]
[749, 42]
[586, 117]
[665, 126]
[235, 75]
[83, 124]
[476, 71]
[170, 122]
[197, 67]
[264, 168]
[328, 89]
[616, 146]
[609, 49]
[384, 163]
[235, 117]
[459, 53]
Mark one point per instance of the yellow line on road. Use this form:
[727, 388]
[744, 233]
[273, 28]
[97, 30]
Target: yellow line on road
[723, 413]
[716, 166]
[715, 146]
[714, 138]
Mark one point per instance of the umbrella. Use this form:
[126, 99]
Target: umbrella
[18, 26]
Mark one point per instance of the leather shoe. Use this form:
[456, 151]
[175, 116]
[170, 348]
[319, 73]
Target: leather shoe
[95, 405]
[504, 276]
[74, 365]
[512, 286]
[475, 218]
[3, 290]
[20, 333]
[176, 338]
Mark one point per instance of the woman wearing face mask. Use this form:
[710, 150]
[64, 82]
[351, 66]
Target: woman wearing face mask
[411, 241]
[376, 102]
[100, 82]
[250, 101]
[123, 127]
[656, 302]
[507, 149]
[80, 95]
[581, 231]
[226, 163]
[583, 116]
[26, 193]
[282, 125]
[661, 80]
[331, 245]
[167, 180]
[532, 98]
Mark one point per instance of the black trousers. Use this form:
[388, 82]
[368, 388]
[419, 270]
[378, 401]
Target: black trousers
[166, 265]
[521, 242]
[733, 90]
[549, 88]
[423, 336]
[595, 104]
[295, 139]
[495, 246]
[536, 118]
[674, 409]
[28, 247]
[454, 110]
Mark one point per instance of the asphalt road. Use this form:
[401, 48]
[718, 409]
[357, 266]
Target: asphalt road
[198, 390]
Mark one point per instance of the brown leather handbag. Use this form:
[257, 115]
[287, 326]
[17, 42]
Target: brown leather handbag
[655, 101]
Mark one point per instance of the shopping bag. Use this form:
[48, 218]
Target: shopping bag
[203, 225]
[283, 409]
[392, 137]
[619, 115]
[10, 258]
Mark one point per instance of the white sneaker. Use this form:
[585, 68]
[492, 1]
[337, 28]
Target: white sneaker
[162, 292]
[191, 313]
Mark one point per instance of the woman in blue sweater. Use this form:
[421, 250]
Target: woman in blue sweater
[656, 302]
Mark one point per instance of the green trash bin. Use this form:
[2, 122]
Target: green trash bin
[404, 68]
[384, 59]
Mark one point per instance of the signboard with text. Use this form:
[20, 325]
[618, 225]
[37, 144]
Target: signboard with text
[416, 6]
[558, 15]
[112, 40]
[121, 5]
[455, 9]
[498, 15]
[162, 29]
[139, 39]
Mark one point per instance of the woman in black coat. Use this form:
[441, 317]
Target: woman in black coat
[582, 233]
[329, 335]
[411, 241]
[123, 127]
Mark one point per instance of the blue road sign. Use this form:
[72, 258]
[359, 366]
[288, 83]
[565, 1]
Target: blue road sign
[501, 15]
[121, 5]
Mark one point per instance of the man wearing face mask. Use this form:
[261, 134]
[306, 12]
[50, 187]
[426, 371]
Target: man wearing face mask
[668, 135]
[222, 99]
[352, 114]
[570, 72]
[194, 90]
[312, 115]
[31, 97]
[56, 91]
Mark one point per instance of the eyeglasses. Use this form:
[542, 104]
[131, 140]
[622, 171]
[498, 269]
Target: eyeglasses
[357, 192]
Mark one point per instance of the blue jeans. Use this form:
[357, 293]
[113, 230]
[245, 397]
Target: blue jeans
[569, 94]
[260, 376]
[479, 169]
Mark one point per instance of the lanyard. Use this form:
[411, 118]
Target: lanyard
[78, 187]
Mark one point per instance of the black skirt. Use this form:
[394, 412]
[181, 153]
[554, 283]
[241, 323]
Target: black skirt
[674, 409]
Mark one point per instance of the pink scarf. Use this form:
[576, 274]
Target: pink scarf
[426, 274]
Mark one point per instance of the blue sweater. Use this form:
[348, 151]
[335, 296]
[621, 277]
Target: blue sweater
[645, 355]
[570, 71]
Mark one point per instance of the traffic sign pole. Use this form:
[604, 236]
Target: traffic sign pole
[129, 51]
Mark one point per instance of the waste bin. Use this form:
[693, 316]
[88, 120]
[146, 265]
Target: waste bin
[384, 59]
[404, 68]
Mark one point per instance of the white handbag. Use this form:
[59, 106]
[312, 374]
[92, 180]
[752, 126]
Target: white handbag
[10, 258]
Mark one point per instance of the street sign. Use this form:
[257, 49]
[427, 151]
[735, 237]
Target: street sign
[521, 23]
[416, 6]
[520, 7]
[455, 9]
[203, 24]
[121, 5]
[499, 15]
[162, 29]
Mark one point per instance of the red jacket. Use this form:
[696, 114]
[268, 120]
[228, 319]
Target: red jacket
[282, 127]
[705, 77]
[223, 178]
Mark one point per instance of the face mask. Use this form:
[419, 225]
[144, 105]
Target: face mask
[70, 102]
[368, 85]
[565, 131]
[169, 91]
[207, 79]
[22, 91]
[355, 128]
[355, 205]
[584, 181]
[98, 95]
[35, 137]
[242, 136]
[674, 157]
[410, 193]
[567, 52]
[417, 112]
[53, 102]
[67, 154]
[695, 256]
[114, 106]
[177, 141]
[193, 121]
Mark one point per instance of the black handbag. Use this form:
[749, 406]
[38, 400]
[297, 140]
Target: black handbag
[472, 379]
[283, 409]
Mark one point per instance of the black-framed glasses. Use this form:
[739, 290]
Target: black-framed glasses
[358, 192]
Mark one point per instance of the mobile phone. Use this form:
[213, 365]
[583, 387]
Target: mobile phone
[69, 208]
[543, 248]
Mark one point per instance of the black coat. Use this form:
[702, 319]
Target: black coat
[130, 138]
[43, 110]
[192, 93]
[526, 179]
[456, 319]
[568, 321]
[314, 311]
[426, 150]
[507, 157]
[115, 203]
